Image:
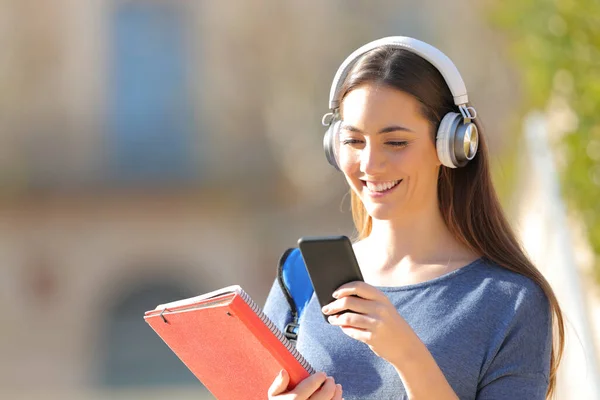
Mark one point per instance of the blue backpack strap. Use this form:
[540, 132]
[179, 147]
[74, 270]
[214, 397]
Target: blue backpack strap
[296, 286]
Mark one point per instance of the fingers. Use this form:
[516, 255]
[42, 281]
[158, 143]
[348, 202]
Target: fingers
[351, 320]
[310, 385]
[316, 387]
[326, 392]
[360, 289]
[280, 383]
[338, 393]
[351, 303]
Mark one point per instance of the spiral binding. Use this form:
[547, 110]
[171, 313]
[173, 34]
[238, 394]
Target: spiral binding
[289, 345]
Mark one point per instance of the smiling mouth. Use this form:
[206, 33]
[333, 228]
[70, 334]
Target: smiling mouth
[382, 187]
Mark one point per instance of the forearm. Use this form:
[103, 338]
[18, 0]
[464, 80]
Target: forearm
[420, 374]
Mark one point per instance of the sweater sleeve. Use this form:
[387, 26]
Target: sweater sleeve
[277, 308]
[519, 363]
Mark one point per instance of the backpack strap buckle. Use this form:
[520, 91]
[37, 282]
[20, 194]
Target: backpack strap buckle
[291, 331]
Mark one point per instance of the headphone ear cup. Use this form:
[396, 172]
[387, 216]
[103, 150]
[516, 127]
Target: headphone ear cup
[331, 143]
[466, 143]
[444, 142]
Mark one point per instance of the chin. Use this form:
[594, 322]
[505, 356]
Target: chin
[381, 212]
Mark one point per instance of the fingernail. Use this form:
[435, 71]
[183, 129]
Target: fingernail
[339, 386]
[325, 309]
[336, 294]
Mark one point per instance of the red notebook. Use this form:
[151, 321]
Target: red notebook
[228, 343]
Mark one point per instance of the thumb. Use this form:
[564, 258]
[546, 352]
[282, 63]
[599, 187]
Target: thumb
[280, 383]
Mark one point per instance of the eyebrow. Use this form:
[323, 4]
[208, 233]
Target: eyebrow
[392, 128]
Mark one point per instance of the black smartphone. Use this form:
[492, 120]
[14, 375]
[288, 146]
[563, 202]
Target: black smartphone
[330, 262]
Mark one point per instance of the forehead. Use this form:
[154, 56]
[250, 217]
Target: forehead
[379, 102]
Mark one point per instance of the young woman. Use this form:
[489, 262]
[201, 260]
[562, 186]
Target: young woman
[451, 307]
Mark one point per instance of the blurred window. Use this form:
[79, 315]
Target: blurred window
[134, 354]
[151, 136]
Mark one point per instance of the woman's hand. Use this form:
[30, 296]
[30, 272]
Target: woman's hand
[316, 387]
[372, 319]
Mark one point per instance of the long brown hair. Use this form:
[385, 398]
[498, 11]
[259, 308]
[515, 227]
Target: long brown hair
[467, 199]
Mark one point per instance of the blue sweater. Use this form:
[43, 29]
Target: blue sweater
[489, 330]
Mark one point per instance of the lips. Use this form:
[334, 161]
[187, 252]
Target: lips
[380, 187]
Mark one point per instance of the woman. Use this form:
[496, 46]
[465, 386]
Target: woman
[451, 307]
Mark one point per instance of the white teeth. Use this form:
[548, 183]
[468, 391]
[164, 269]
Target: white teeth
[380, 187]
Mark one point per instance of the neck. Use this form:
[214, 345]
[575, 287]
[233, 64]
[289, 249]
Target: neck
[421, 238]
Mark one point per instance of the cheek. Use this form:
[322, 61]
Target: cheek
[423, 166]
[422, 157]
[348, 160]
[350, 165]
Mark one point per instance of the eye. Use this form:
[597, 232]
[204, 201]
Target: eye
[402, 143]
[351, 141]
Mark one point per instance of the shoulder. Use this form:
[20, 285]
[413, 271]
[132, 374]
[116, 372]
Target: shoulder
[505, 284]
[517, 311]
[508, 302]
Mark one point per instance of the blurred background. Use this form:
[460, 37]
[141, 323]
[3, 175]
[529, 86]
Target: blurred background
[152, 150]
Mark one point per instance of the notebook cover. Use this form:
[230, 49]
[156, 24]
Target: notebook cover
[227, 347]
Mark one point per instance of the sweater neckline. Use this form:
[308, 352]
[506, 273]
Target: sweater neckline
[459, 271]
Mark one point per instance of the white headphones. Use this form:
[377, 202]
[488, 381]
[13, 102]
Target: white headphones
[457, 137]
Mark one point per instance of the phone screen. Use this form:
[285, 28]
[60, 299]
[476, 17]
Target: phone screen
[330, 262]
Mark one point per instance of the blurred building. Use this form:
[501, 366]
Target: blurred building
[153, 150]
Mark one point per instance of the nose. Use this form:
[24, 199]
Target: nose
[372, 160]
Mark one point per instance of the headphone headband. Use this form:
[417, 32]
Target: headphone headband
[426, 51]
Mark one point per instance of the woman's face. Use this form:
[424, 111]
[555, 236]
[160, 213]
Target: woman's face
[387, 153]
